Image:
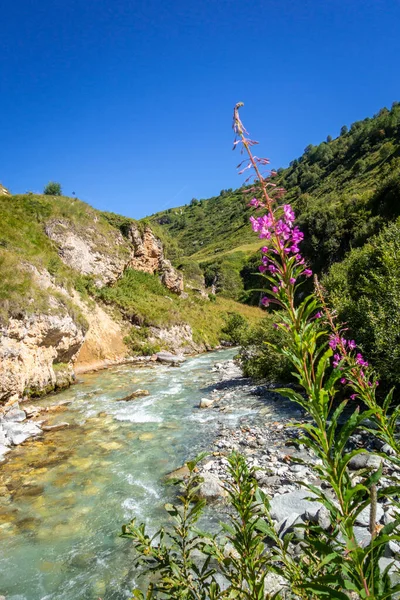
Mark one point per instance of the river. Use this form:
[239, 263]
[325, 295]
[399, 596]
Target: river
[70, 491]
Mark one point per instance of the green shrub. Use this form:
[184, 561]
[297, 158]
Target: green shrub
[365, 291]
[52, 189]
[138, 343]
[235, 328]
[257, 356]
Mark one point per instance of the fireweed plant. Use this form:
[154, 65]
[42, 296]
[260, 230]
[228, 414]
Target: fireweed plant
[337, 390]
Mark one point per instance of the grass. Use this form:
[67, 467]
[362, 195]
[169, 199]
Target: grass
[144, 301]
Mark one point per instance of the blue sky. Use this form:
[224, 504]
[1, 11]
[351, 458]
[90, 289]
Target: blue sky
[129, 103]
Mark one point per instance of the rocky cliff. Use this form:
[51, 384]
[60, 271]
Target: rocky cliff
[56, 330]
[80, 289]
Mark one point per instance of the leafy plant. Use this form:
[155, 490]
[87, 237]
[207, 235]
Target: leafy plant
[333, 379]
[52, 189]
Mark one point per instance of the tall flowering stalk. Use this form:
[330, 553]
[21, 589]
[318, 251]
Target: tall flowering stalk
[327, 366]
[185, 563]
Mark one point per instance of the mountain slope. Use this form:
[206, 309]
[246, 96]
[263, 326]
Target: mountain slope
[79, 287]
[343, 191]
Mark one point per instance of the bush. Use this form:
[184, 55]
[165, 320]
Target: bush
[138, 343]
[52, 189]
[365, 290]
[235, 328]
[257, 356]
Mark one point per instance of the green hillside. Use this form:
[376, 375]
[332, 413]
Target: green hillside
[344, 190]
[28, 257]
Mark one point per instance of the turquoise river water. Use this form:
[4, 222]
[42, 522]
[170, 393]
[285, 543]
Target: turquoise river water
[66, 495]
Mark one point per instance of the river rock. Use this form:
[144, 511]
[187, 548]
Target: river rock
[3, 451]
[206, 403]
[364, 460]
[15, 414]
[135, 394]
[287, 525]
[19, 432]
[211, 488]
[273, 584]
[180, 474]
[55, 427]
[169, 358]
[284, 505]
[363, 517]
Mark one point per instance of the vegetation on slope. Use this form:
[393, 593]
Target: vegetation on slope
[139, 298]
[344, 190]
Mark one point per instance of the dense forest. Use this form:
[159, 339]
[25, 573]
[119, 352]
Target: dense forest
[346, 193]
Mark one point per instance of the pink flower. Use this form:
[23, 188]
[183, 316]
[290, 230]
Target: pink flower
[275, 289]
[333, 341]
[343, 380]
[289, 213]
[352, 345]
[262, 269]
[307, 272]
[292, 280]
[254, 202]
[336, 360]
[360, 360]
[353, 396]
[265, 301]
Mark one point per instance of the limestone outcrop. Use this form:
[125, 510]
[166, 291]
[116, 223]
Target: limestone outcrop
[4, 191]
[106, 257]
[40, 350]
[148, 256]
[147, 250]
[89, 252]
[32, 347]
[178, 337]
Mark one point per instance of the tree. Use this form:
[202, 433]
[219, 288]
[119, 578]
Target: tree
[52, 189]
[329, 138]
[344, 130]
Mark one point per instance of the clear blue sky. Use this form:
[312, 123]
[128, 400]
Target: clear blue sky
[128, 103]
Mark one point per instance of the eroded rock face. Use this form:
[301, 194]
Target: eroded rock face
[29, 347]
[170, 277]
[147, 252]
[4, 192]
[106, 257]
[178, 337]
[103, 341]
[148, 256]
[89, 252]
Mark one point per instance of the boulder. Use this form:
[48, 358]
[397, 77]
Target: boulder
[285, 505]
[3, 451]
[135, 394]
[365, 460]
[179, 474]
[211, 488]
[19, 432]
[169, 358]
[206, 403]
[363, 517]
[287, 525]
[15, 414]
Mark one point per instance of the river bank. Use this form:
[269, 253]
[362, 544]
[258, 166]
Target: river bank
[22, 419]
[65, 496]
[284, 465]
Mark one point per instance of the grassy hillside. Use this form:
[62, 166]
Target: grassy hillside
[344, 190]
[138, 298]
